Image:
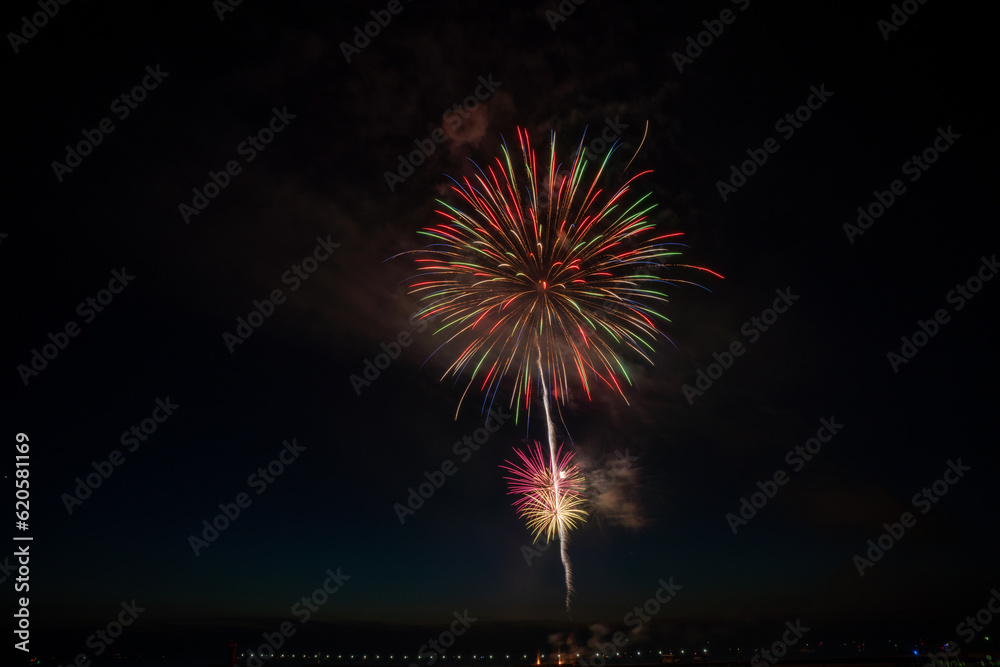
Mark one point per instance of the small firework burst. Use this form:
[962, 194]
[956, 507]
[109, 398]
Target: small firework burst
[551, 496]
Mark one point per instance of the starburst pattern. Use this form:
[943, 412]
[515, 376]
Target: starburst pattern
[544, 268]
[550, 497]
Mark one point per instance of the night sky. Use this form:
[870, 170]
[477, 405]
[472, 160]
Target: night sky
[308, 126]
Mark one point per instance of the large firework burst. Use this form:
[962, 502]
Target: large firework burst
[541, 269]
[541, 276]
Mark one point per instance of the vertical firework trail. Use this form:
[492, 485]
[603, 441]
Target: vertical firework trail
[555, 476]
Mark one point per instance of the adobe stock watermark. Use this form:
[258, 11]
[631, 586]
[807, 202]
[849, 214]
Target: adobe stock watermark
[294, 276]
[619, 466]
[372, 368]
[652, 269]
[363, 35]
[923, 500]
[900, 14]
[435, 649]
[797, 458]
[962, 293]
[563, 11]
[645, 612]
[787, 126]
[914, 168]
[973, 624]
[780, 647]
[121, 106]
[132, 438]
[942, 658]
[88, 310]
[453, 117]
[967, 629]
[612, 130]
[535, 549]
[463, 449]
[303, 611]
[752, 330]
[102, 639]
[696, 44]
[37, 21]
[223, 7]
[638, 617]
[595, 148]
[258, 480]
[248, 149]
[22, 616]
[7, 569]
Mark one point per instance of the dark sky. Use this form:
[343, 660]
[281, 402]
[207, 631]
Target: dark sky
[343, 126]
